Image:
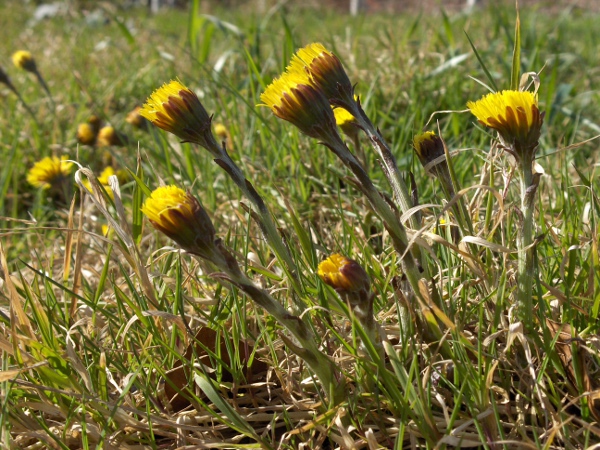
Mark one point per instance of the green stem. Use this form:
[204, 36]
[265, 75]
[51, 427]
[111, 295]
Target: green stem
[266, 223]
[392, 173]
[524, 246]
[392, 223]
[305, 346]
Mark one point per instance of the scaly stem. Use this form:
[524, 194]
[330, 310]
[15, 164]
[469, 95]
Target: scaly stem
[524, 246]
[390, 220]
[305, 346]
[266, 223]
[392, 173]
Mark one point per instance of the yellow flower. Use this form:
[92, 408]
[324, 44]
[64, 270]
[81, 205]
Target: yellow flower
[86, 134]
[346, 121]
[343, 274]
[324, 70]
[301, 104]
[516, 117]
[103, 180]
[106, 231]
[135, 119]
[106, 173]
[223, 135]
[107, 136]
[428, 148]
[176, 109]
[49, 172]
[179, 216]
[221, 131]
[24, 60]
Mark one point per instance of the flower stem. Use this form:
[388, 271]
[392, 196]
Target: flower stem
[525, 249]
[392, 173]
[392, 223]
[266, 223]
[305, 345]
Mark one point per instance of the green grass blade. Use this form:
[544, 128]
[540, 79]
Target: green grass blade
[516, 59]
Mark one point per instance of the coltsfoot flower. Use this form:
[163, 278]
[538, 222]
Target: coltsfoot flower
[177, 214]
[516, 117]
[428, 148]
[107, 136]
[222, 133]
[103, 180]
[86, 134]
[135, 119]
[24, 60]
[301, 104]
[176, 109]
[49, 172]
[346, 121]
[324, 70]
[344, 274]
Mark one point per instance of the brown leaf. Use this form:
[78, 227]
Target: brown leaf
[568, 347]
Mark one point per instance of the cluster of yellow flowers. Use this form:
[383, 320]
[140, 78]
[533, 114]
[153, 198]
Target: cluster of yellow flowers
[302, 95]
[313, 84]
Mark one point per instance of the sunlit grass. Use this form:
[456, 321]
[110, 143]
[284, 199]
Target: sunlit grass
[118, 338]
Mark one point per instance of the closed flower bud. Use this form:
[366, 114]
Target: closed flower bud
[135, 119]
[176, 109]
[344, 274]
[429, 148]
[302, 105]
[325, 71]
[86, 134]
[179, 216]
[24, 60]
[107, 136]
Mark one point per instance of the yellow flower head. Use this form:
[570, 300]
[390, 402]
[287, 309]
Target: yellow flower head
[103, 180]
[107, 136]
[135, 119]
[346, 121]
[24, 60]
[428, 148]
[86, 134]
[302, 105]
[324, 70]
[107, 231]
[176, 109]
[95, 122]
[221, 131]
[49, 172]
[179, 216]
[514, 114]
[106, 173]
[223, 135]
[343, 117]
[344, 274]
